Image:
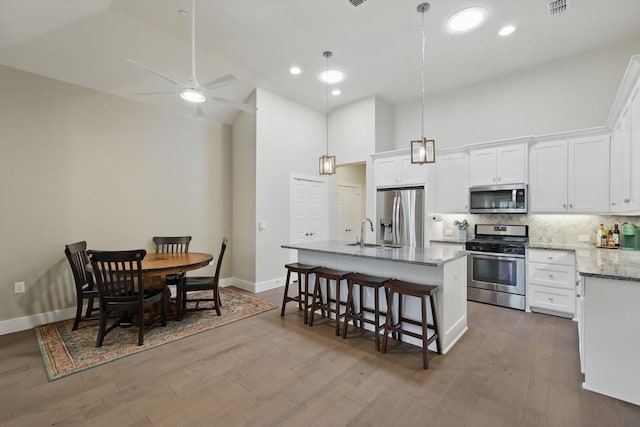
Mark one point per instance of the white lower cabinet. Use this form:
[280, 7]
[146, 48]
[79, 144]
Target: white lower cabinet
[551, 285]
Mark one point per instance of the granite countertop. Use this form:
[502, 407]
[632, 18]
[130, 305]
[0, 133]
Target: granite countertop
[425, 256]
[597, 262]
[450, 240]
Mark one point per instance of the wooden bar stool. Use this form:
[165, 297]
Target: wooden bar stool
[376, 283]
[325, 304]
[423, 292]
[302, 298]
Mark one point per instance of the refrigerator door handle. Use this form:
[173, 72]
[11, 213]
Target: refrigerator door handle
[409, 219]
[395, 218]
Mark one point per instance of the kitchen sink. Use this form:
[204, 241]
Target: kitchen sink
[375, 245]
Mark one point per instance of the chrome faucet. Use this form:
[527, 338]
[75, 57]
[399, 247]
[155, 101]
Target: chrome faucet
[364, 222]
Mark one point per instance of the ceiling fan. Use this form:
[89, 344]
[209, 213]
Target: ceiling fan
[191, 90]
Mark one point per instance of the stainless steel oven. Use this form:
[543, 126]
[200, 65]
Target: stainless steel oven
[496, 279]
[496, 265]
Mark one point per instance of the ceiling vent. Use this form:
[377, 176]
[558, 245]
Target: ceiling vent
[356, 2]
[558, 7]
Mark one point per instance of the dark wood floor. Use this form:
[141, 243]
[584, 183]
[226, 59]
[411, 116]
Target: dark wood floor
[510, 369]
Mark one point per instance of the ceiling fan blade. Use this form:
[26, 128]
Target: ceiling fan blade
[239, 105]
[220, 81]
[157, 73]
[158, 92]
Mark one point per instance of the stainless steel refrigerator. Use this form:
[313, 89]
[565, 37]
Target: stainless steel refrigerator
[400, 215]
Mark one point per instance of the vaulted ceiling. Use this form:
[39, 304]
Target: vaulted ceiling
[377, 44]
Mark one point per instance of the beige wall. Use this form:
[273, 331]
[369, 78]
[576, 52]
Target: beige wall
[76, 164]
[354, 174]
[244, 201]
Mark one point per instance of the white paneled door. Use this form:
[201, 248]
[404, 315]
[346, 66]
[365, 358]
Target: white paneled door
[348, 212]
[308, 210]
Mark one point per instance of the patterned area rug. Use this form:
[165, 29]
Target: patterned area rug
[66, 352]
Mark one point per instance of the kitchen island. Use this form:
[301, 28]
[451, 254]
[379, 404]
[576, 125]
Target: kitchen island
[446, 268]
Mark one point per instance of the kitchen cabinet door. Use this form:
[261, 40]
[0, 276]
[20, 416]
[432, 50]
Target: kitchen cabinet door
[634, 149]
[511, 164]
[398, 171]
[386, 172]
[482, 166]
[411, 173]
[548, 177]
[588, 183]
[619, 163]
[453, 183]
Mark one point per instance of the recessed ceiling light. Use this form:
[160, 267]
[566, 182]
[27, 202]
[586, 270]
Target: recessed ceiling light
[295, 70]
[506, 30]
[331, 76]
[467, 19]
[336, 92]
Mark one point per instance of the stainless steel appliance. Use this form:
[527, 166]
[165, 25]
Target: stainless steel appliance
[510, 198]
[400, 213]
[496, 265]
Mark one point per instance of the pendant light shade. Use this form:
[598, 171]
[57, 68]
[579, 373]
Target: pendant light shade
[423, 150]
[327, 164]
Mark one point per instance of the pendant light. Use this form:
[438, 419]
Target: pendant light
[424, 150]
[327, 163]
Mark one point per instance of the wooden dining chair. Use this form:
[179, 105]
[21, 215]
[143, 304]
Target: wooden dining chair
[191, 284]
[121, 289]
[85, 287]
[177, 244]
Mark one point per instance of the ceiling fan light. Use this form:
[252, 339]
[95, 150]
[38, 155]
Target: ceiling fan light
[192, 95]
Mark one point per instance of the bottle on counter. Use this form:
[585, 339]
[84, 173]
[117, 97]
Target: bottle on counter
[616, 236]
[610, 239]
[600, 236]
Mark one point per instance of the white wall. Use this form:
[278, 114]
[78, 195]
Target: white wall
[243, 247]
[567, 94]
[76, 164]
[384, 126]
[352, 130]
[290, 138]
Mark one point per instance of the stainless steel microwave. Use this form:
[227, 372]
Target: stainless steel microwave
[498, 199]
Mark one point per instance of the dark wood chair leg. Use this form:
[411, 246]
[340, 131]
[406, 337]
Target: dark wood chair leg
[163, 306]
[305, 305]
[376, 316]
[299, 291]
[102, 327]
[89, 307]
[387, 322]
[425, 340]
[78, 313]
[349, 311]
[337, 305]
[314, 301]
[435, 322]
[286, 292]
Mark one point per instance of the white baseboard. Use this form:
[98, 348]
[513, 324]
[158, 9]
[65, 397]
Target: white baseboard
[29, 322]
[255, 287]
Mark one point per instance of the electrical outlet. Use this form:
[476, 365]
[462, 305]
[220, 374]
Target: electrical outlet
[448, 232]
[19, 287]
[584, 238]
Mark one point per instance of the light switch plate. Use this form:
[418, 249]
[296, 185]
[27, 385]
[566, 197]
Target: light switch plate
[584, 238]
[19, 287]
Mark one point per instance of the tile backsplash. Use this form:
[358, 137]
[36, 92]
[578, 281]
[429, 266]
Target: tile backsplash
[556, 229]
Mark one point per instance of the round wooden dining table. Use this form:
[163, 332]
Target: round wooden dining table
[161, 264]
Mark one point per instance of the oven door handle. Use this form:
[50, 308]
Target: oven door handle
[485, 255]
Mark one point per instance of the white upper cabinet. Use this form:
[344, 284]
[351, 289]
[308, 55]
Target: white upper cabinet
[624, 123]
[504, 164]
[625, 157]
[548, 177]
[453, 182]
[588, 184]
[397, 171]
[570, 175]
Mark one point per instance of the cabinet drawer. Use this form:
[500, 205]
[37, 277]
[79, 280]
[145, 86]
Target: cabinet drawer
[551, 257]
[557, 276]
[560, 300]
